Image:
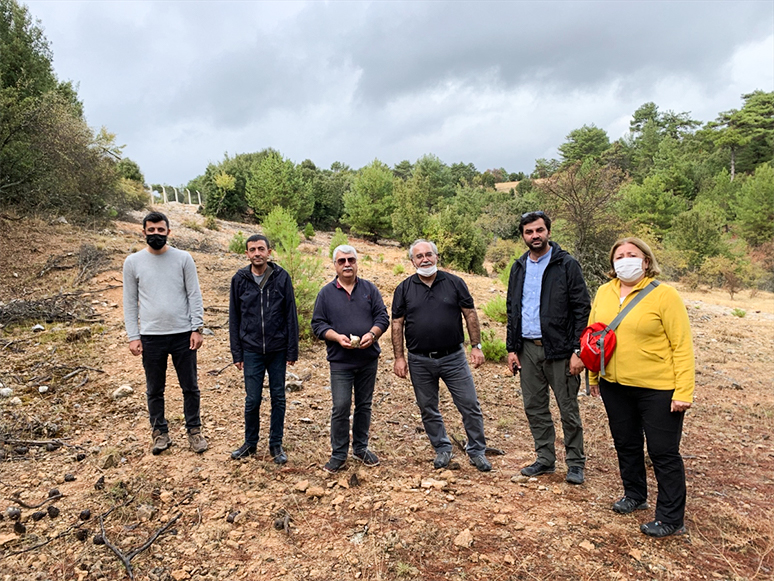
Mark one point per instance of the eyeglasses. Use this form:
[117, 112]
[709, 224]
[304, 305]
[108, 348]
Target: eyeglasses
[538, 213]
[347, 260]
[425, 255]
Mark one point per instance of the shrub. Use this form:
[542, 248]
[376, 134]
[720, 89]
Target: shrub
[237, 244]
[309, 231]
[211, 223]
[496, 309]
[338, 239]
[493, 348]
[193, 225]
[739, 313]
[399, 269]
[305, 271]
[501, 253]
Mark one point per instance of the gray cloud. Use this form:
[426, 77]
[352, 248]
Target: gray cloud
[493, 83]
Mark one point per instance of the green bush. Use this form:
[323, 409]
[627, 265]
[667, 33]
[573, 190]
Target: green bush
[739, 313]
[237, 244]
[281, 229]
[211, 223]
[501, 253]
[493, 348]
[309, 231]
[338, 239]
[496, 309]
[399, 269]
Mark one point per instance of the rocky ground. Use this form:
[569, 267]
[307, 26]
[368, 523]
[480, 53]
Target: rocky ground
[250, 519]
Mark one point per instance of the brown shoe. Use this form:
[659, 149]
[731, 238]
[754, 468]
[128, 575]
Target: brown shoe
[161, 441]
[196, 440]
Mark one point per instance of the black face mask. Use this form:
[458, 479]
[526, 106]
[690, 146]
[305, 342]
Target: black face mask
[156, 241]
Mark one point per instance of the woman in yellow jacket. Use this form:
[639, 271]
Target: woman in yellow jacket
[648, 384]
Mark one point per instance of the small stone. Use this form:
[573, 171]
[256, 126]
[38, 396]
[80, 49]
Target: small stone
[6, 392]
[301, 486]
[13, 513]
[315, 491]
[433, 483]
[122, 392]
[145, 512]
[37, 515]
[53, 511]
[233, 516]
[464, 539]
[19, 528]
[500, 519]
[69, 477]
[110, 461]
[338, 500]
[80, 457]
[100, 483]
[98, 540]
[81, 534]
[293, 386]
[15, 401]
[85, 514]
[42, 389]
[21, 450]
[54, 492]
[38, 328]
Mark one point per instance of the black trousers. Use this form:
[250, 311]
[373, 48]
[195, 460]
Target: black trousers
[634, 412]
[156, 350]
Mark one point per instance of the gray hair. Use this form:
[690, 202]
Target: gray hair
[344, 249]
[433, 247]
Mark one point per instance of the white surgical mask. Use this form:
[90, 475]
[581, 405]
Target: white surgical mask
[427, 270]
[628, 269]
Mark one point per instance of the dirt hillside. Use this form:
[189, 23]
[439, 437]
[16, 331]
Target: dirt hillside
[401, 520]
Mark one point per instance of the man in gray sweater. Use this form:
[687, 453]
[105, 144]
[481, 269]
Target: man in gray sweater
[163, 316]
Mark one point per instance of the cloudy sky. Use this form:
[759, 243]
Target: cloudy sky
[498, 84]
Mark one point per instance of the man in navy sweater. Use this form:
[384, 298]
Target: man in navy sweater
[349, 314]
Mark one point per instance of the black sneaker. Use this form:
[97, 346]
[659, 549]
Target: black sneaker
[575, 475]
[442, 459]
[481, 463]
[333, 465]
[658, 529]
[538, 468]
[278, 454]
[367, 457]
[243, 451]
[627, 505]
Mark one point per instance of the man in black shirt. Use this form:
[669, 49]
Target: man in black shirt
[431, 305]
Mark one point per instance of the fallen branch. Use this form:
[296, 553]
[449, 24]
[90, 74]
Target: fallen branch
[127, 559]
[13, 442]
[64, 533]
[81, 369]
[23, 504]
[219, 371]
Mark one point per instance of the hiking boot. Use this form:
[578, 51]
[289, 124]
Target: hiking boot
[278, 454]
[627, 505]
[481, 463]
[367, 457]
[659, 529]
[442, 459]
[196, 441]
[537, 468]
[575, 475]
[243, 451]
[333, 465]
[161, 441]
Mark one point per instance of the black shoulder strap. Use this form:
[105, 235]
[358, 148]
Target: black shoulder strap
[640, 295]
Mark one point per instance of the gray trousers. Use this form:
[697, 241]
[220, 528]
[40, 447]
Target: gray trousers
[454, 370]
[537, 373]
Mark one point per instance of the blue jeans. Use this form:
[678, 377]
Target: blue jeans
[343, 384]
[255, 368]
[455, 372]
[156, 350]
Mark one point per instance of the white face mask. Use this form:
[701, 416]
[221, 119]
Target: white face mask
[628, 269]
[427, 270]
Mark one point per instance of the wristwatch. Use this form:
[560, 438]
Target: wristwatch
[477, 346]
[200, 330]
[577, 352]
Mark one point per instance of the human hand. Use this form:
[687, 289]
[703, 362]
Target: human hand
[513, 363]
[135, 347]
[400, 367]
[367, 340]
[196, 340]
[476, 357]
[680, 406]
[576, 365]
[240, 365]
[594, 390]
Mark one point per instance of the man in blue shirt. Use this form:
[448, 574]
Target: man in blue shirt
[548, 307]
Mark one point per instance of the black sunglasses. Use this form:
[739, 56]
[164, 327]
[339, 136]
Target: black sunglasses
[349, 259]
[538, 213]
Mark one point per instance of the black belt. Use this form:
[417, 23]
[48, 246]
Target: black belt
[538, 342]
[436, 354]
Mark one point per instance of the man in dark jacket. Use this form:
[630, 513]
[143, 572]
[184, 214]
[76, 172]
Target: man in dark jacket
[263, 328]
[548, 307]
[349, 314]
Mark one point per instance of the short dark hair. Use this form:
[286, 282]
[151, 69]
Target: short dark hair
[155, 217]
[256, 238]
[530, 217]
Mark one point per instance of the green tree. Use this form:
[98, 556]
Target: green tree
[463, 174]
[651, 204]
[275, 181]
[369, 203]
[403, 170]
[587, 142]
[26, 62]
[438, 177]
[130, 170]
[697, 233]
[755, 206]
[460, 242]
[544, 168]
[412, 209]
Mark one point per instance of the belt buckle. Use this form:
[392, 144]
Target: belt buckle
[538, 342]
[432, 354]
